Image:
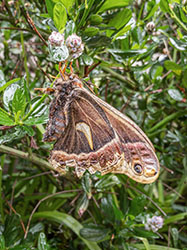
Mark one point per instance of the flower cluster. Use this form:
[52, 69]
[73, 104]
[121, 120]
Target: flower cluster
[62, 50]
[154, 223]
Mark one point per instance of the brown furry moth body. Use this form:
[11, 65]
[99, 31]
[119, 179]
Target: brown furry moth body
[91, 135]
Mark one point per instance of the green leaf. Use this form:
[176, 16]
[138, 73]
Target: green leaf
[166, 120]
[110, 210]
[70, 28]
[178, 44]
[87, 59]
[70, 222]
[98, 41]
[152, 12]
[12, 134]
[29, 130]
[91, 31]
[175, 236]
[152, 247]
[36, 120]
[19, 101]
[107, 181]
[2, 242]
[41, 110]
[184, 78]
[67, 3]
[94, 232]
[120, 55]
[87, 185]
[5, 118]
[59, 54]
[8, 95]
[82, 204]
[4, 86]
[175, 94]
[164, 6]
[123, 199]
[146, 234]
[122, 32]
[50, 6]
[95, 19]
[13, 230]
[42, 242]
[169, 65]
[175, 218]
[145, 242]
[183, 16]
[119, 20]
[137, 205]
[59, 16]
[22, 247]
[113, 4]
[85, 14]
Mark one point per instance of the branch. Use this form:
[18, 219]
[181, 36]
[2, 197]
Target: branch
[118, 76]
[32, 158]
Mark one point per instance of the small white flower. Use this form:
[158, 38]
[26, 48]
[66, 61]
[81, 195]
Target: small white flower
[56, 39]
[154, 223]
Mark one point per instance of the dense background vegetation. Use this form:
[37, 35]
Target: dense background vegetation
[136, 53]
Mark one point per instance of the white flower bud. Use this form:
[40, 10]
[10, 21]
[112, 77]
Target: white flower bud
[150, 26]
[75, 46]
[56, 39]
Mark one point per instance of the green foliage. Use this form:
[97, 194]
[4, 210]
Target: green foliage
[135, 53]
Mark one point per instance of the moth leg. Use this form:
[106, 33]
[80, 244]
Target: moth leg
[71, 68]
[62, 71]
[48, 90]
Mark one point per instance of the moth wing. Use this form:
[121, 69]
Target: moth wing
[98, 137]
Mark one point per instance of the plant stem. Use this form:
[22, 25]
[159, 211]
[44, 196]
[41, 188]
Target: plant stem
[23, 155]
[24, 57]
[166, 120]
[85, 14]
[174, 16]
[118, 76]
[1, 200]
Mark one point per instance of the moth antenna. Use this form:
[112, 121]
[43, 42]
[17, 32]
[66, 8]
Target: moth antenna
[87, 85]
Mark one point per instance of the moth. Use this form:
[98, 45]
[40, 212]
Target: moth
[91, 135]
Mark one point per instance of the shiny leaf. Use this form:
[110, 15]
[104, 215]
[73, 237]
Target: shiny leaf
[94, 232]
[5, 85]
[42, 242]
[5, 118]
[59, 16]
[175, 94]
[137, 205]
[70, 222]
[119, 20]
[113, 4]
[19, 101]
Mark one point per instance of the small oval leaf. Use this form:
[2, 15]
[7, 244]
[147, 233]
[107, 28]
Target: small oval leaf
[59, 16]
[94, 232]
[175, 94]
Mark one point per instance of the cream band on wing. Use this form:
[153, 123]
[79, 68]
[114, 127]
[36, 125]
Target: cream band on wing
[85, 129]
